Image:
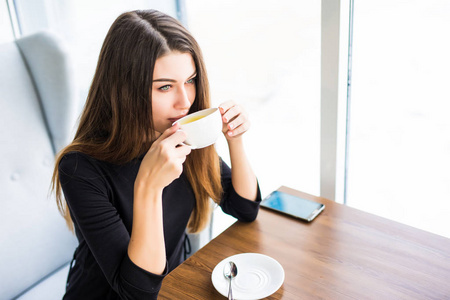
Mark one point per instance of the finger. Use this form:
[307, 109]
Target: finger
[181, 160]
[183, 150]
[239, 130]
[176, 138]
[231, 113]
[226, 106]
[236, 122]
[169, 131]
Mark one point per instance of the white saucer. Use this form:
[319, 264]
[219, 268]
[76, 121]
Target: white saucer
[259, 276]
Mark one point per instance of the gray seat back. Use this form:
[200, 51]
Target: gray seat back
[37, 115]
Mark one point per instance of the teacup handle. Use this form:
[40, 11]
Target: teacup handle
[183, 144]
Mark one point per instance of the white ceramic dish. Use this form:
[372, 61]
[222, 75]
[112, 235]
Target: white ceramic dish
[259, 276]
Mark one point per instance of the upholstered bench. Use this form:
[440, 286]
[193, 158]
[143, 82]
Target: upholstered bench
[38, 102]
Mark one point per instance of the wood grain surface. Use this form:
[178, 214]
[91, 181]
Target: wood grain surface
[343, 254]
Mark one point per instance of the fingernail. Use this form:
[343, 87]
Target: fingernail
[231, 126]
[230, 133]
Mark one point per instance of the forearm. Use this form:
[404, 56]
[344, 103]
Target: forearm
[147, 248]
[242, 176]
[160, 166]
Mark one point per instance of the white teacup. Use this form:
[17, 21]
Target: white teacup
[202, 128]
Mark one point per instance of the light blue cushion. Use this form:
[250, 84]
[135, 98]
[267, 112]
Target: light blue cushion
[49, 62]
[51, 288]
[33, 236]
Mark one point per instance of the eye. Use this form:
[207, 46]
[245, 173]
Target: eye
[164, 88]
[191, 81]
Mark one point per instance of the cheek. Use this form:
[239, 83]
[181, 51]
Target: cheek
[157, 108]
[159, 101]
[192, 92]
[159, 116]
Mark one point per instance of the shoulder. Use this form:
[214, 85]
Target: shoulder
[77, 163]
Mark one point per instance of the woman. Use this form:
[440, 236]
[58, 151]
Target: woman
[131, 187]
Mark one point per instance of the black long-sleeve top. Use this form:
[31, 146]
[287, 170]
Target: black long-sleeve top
[100, 200]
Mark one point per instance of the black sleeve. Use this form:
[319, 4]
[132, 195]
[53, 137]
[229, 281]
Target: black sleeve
[232, 203]
[86, 193]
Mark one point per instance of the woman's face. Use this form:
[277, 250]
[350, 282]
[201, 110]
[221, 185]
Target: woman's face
[173, 89]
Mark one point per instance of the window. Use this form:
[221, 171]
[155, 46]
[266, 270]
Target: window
[399, 153]
[265, 55]
[83, 24]
[6, 32]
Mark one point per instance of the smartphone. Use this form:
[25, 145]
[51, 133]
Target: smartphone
[294, 206]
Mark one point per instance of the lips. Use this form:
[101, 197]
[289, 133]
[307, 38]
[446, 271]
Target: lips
[176, 118]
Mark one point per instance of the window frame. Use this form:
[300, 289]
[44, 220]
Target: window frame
[336, 40]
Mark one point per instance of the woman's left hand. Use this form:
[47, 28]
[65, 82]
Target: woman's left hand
[235, 120]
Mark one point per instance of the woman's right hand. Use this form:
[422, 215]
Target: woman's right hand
[163, 162]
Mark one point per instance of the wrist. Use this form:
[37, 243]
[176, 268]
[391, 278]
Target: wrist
[144, 191]
[236, 141]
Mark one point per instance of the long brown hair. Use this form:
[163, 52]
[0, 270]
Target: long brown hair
[117, 115]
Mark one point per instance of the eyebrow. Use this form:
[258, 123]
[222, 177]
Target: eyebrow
[172, 80]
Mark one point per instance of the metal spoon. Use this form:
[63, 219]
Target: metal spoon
[230, 271]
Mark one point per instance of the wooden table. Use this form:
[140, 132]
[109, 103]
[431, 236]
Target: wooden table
[343, 254]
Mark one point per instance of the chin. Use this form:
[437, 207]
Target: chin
[163, 127]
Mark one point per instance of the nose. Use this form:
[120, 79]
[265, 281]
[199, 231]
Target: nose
[183, 100]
